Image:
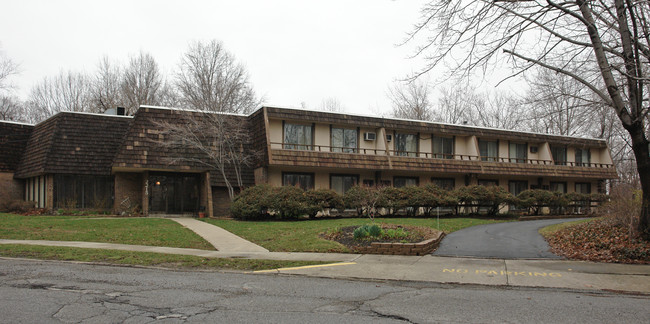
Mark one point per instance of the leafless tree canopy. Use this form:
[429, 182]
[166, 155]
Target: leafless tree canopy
[215, 141]
[209, 79]
[604, 45]
[69, 91]
[141, 82]
[331, 104]
[411, 100]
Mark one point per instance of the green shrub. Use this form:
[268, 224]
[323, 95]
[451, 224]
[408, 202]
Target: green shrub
[374, 230]
[535, 199]
[367, 230]
[395, 234]
[252, 203]
[360, 233]
[361, 198]
[391, 199]
[483, 196]
[320, 199]
[288, 202]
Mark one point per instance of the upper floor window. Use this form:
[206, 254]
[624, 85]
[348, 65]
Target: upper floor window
[443, 147]
[298, 137]
[489, 150]
[559, 154]
[399, 182]
[303, 180]
[518, 152]
[406, 144]
[583, 157]
[344, 140]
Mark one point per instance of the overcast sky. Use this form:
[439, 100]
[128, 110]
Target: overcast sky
[295, 51]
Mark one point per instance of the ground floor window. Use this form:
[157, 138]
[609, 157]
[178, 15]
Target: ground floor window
[558, 187]
[303, 180]
[399, 182]
[343, 182]
[35, 191]
[583, 187]
[444, 183]
[83, 191]
[488, 182]
[517, 186]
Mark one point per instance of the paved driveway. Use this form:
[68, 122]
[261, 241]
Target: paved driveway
[513, 240]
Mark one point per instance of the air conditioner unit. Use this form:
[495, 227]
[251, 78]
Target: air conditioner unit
[389, 137]
[369, 136]
[533, 149]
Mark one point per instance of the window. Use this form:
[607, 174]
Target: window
[516, 186]
[488, 182]
[343, 182]
[406, 144]
[344, 140]
[76, 191]
[443, 147]
[368, 183]
[298, 137]
[559, 154]
[303, 180]
[583, 187]
[400, 182]
[444, 183]
[583, 157]
[384, 183]
[489, 150]
[518, 152]
[558, 186]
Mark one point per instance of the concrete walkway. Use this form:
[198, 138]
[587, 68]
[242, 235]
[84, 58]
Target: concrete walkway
[221, 239]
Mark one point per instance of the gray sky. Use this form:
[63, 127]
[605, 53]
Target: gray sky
[295, 51]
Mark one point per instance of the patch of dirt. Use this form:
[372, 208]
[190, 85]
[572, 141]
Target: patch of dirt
[600, 240]
[416, 234]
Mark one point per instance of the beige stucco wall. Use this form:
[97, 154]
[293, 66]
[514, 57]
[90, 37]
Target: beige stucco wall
[275, 133]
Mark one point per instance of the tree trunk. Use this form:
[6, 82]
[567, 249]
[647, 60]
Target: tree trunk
[641, 151]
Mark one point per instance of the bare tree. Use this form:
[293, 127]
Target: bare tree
[605, 43]
[69, 91]
[213, 140]
[7, 69]
[331, 104]
[454, 105]
[141, 82]
[12, 109]
[107, 85]
[411, 100]
[209, 79]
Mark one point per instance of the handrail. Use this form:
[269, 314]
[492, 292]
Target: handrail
[429, 155]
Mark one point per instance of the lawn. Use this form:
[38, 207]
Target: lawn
[143, 258]
[139, 231]
[304, 236]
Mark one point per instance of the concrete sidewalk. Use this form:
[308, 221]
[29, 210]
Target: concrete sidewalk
[515, 273]
[221, 239]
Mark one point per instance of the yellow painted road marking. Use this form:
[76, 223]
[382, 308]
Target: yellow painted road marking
[307, 267]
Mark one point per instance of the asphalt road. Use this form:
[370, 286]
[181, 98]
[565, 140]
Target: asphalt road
[48, 292]
[512, 240]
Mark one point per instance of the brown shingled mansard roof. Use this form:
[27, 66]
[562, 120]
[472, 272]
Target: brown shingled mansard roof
[13, 140]
[73, 143]
[141, 149]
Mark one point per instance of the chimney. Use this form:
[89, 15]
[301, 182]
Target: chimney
[121, 111]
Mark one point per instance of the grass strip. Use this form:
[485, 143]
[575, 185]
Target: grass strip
[304, 236]
[144, 258]
[137, 231]
[549, 230]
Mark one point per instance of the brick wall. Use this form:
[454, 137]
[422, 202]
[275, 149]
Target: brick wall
[421, 248]
[220, 202]
[10, 188]
[128, 192]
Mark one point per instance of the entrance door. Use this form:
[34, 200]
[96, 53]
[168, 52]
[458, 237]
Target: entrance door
[174, 193]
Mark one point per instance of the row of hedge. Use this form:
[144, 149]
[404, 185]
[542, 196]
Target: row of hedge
[264, 201]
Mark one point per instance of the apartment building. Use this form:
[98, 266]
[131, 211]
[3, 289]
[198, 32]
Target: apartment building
[76, 160]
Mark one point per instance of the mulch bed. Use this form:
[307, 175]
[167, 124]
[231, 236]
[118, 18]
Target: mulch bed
[345, 235]
[600, 240]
